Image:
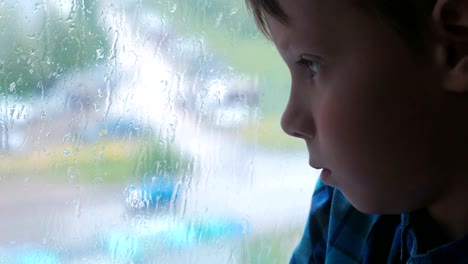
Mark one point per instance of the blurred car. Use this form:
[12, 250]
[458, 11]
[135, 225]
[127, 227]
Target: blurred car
[80, 93]
[92, 104]
[154, 194]
[114, 128]
[229, 103]
[31, 254]
[164, 240]
[15, 116]
[209, 88]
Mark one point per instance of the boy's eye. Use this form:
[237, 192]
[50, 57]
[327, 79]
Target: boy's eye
[311, 65]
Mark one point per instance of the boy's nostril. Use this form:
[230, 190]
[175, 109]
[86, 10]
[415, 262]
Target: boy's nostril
[297, 135]
[300, 135]
[298, 127]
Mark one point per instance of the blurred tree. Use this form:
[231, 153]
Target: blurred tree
[229, 16]
[40, 45]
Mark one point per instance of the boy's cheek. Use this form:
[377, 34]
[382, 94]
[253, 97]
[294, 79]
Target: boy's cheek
[349, 133]
[338, 133]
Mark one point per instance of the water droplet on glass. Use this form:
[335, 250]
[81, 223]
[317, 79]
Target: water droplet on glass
[12, 86]
[100, 53]
[233, 11]
[66, 152]
[173, 8]
[78, 209]
[219, 19]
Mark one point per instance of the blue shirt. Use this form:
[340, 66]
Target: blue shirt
[336, 233]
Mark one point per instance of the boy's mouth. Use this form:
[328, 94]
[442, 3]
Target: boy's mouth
[314, 165]
[325, 171]
[325, 175]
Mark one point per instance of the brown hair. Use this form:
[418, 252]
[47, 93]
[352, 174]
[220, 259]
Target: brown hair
[411, 18]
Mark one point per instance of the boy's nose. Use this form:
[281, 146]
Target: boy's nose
[297, 120]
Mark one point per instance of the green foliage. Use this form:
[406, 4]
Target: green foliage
[33, 55]
[158, 157]
[102, 162]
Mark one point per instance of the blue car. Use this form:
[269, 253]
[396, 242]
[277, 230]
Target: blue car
[154, 194]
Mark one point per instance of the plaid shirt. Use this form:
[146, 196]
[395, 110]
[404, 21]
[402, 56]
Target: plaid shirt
[336, 233]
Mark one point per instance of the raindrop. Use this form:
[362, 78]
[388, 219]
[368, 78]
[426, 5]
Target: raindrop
[66, 152]
[233, 11]
[12, 86]
[78, 209]
[219, 19]
[173, 8]
[71, 174]
[100, 53]
[124, 248]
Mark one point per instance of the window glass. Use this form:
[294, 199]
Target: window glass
[144, 132]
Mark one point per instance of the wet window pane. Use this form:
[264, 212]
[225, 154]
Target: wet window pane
[144, 132]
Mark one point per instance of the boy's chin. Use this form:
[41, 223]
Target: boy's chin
[377, 204]
[367, 208]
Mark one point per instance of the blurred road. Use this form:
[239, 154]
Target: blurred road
[274, 190]
[270, 191]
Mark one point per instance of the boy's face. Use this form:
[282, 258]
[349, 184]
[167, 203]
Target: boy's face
[367, 109]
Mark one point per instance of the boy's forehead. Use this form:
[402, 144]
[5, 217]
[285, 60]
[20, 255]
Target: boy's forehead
[310, 17]
[301, 12]
[316, 26]
[279, 32]
[295, 35]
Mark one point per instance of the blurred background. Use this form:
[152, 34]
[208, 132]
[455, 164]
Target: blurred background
[145, 131]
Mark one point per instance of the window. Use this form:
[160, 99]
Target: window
[144, 132]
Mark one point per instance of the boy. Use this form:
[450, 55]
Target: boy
[379, 93]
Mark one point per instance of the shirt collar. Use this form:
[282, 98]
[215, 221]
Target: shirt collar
[423, 241]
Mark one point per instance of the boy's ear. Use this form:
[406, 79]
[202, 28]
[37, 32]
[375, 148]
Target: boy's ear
[450, 18]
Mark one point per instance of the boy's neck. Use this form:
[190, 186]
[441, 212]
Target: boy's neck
[451, 210]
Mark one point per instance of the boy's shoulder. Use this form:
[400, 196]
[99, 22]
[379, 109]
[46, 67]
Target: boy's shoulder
[336, 232]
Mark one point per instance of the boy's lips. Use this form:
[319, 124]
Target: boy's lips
[325, 171]
[316, 166]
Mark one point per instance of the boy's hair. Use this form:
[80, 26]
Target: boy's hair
[410, 18]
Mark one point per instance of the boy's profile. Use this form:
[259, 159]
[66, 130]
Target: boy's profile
[379, 93]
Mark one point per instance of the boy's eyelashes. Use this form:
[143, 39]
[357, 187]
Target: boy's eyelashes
[312, 65]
